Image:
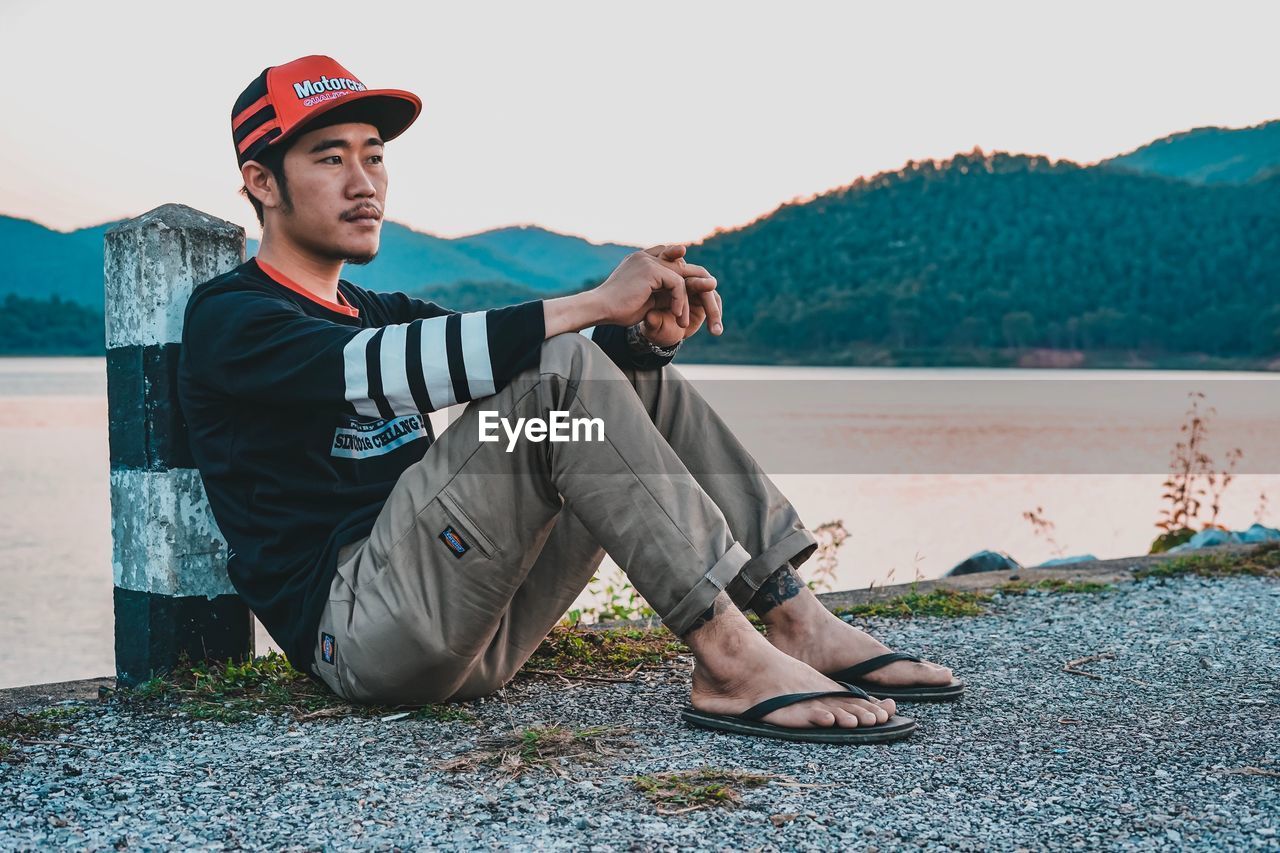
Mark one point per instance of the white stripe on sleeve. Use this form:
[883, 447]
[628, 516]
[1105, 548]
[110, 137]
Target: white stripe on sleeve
[435, 363]
[475, 354]
[395, 370]
[357, 373]
[588, 331]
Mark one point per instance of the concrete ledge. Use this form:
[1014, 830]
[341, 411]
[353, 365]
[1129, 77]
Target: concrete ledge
[40, 695]
[1118, 570]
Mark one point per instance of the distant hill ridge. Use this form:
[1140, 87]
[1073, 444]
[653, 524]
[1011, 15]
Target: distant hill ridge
[41, 262]
[1170, 253]
[1209, 155]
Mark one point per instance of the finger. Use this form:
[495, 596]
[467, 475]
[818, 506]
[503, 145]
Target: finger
[711, 302]
[682, 311]
[674, 282]
[654, 321]
[691, 270]
[667, 252]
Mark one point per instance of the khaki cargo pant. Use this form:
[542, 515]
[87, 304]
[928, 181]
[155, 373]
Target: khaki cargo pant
[478, 551]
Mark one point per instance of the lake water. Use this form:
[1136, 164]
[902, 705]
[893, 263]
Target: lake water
[920, 476]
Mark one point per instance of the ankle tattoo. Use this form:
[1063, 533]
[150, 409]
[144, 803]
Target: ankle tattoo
[717, 606]
[781, 586]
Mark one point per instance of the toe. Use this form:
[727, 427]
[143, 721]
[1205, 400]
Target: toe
[865, 715]
[846, 720]
[822, 717]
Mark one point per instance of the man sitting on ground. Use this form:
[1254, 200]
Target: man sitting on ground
[402, 568]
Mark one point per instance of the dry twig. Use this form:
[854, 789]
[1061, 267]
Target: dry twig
[1250, 771]
[1072, 666]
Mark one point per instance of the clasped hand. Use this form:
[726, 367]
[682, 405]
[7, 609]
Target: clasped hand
[670, 297]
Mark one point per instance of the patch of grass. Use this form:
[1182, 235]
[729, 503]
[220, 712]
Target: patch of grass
[946, 603]
[1052, 585]
[443, 713]
[39, 725]
[1171, 539]
[690, 790]
[571, 651]
[231, 692]
[1262, 561]
[548, 748]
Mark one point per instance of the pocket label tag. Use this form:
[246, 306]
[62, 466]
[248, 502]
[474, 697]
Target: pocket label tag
[456, 543]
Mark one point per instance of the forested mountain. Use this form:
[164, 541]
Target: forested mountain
[1209, 155]
[479, 295]
[526, 256]
[40, 262]
[983, 259]
[50, 327]
[941, 261]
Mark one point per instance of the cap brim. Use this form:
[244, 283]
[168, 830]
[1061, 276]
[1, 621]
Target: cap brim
[389, 110]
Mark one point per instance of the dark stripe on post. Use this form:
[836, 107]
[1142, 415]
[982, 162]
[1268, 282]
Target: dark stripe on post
[152, 631]
[145, 425]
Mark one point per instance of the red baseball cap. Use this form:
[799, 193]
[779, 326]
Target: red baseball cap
[286, 98]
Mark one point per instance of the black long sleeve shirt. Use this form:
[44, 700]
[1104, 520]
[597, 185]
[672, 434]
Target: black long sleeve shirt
[303, 413]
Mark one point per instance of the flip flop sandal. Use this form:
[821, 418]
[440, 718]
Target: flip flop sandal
[898, 693]
[748, 722]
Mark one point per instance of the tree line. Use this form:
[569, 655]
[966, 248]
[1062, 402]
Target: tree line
[970, 260]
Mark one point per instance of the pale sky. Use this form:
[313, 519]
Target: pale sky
[632, 122]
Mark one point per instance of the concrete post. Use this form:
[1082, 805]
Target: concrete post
[172, 594]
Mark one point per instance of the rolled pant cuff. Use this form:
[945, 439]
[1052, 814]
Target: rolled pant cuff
[794, 548]
[716, 578]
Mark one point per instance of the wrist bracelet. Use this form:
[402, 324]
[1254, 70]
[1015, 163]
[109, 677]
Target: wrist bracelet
[639, 344]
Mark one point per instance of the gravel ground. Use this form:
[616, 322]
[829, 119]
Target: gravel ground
[1155, 753]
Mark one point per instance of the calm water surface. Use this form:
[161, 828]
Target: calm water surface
[55, 535]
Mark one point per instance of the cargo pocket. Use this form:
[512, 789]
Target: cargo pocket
[465, 532]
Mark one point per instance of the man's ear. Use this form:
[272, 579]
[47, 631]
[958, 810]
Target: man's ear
[260, 182]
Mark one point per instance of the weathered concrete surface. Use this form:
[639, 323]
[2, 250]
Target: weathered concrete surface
[164, 539]
[43, 695]
[153, 261]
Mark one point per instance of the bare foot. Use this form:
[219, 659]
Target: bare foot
[737, 668]
[800, 626]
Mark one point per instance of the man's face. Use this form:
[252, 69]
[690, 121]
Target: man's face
[337, 188]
